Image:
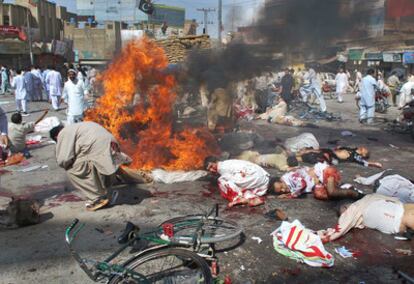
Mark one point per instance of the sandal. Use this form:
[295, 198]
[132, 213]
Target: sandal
[98, 204]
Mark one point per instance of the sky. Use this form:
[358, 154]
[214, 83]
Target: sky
[232, 17]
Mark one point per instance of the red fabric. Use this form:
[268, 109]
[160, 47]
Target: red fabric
[331, 172]
[400, 8]
[227, 192]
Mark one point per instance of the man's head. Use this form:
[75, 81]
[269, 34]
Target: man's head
[16, 118]
[292, 161]
[72, 74]
[210, 164]
[341, 70]
[343, 206]
[18, 71]
[278, 187]
[363, 151]
[371, 71]
[54, 132]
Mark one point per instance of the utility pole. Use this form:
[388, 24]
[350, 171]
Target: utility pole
[206, 11]
[220, 19]
[29, 33]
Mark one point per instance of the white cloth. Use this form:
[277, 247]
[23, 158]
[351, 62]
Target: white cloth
[19, 84]
[393, 185]
[169, 177]
[368, 86]
[21, 105]
[319, 169]
[301, 244]
[73, 94]
[302, 141]
[341, 81]
[54, 83]
[55, 101]
[47, 124]
[298, 181]
[366, 113]
[241, 179]
[405, 94]
[384, 216]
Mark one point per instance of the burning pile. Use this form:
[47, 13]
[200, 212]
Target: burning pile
[137, 109]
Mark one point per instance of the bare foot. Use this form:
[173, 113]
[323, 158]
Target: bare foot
[256, 201]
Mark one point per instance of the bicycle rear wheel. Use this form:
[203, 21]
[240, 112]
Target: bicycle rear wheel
[167, 265]
[214, 229]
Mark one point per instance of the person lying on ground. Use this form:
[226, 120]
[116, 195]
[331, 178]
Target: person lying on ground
[240, 182]
[390, 183]
[91, 157]
[278, 114]
[279, 160]
[322, 179]
[383, 213]
[357, 155]
[18, 131]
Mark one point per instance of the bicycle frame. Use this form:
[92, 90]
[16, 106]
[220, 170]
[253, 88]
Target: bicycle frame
[104, 269]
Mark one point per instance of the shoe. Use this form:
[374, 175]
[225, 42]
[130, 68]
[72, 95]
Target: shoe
[25, 114]
[98, 204]
[129, 233]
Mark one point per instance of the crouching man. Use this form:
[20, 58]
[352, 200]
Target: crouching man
[385, 214]
[91, 157]
[240, 182]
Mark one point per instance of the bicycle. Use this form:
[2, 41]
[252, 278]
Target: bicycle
[183, 245]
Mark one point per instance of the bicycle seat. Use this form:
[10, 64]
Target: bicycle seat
[129, 233]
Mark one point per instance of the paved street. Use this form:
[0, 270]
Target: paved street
[37, 254]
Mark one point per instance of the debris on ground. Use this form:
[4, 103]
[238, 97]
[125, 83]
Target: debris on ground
[394, 147]
[406, 252]
[259, 240]
[347, 133]
[276, 214]
[299, 243]
[346, 253]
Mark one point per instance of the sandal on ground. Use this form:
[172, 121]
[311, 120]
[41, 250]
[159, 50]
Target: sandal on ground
[98, 204]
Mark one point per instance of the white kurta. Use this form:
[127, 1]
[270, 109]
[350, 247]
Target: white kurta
[54, 82]
[405, 93]
[241, 179]
[73, 94]
[19, 84]
[341, 80]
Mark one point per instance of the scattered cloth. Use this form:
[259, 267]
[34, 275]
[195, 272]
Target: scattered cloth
[302, 141]
[33, 139]
[347, 133]
[162, 176]
[346, 253]
[301, 244]
[47, 124]
[278, 161]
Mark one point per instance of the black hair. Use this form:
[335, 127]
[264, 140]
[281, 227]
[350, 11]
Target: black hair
[209, 159]
[18, 71]
[270, 187]
[54, 132]
[340, 204]
[370, 71]
[16, 118]
[292, 161]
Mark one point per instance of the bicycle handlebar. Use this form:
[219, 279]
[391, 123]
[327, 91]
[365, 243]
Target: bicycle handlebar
[68, 237]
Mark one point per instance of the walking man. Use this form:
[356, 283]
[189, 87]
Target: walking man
[54, 83]
[4, 81]
[21, 94]
[367, 102]
[314, 86]
[341, 81]
[30, 83]
[38, 83]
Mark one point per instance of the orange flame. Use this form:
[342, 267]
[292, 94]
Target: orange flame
[137, 109]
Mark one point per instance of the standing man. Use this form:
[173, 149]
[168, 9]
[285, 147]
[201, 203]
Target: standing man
[91, 157]
[73, 94]
[21, 94]
[341, 81]
[38, 83]
[287, 86]
[358, 79]
[314, 87]
[29, 79]
[4, 80]
[54, 85]
[45, 86]
[393, 82]
[367, 102]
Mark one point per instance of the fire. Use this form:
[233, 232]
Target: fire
[137, 108]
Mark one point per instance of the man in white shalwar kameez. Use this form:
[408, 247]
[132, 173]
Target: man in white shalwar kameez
[20, 91]
[54, 83]
[74, 93]
[313, 86]
[341, 81]
[91, 157]
[240, 182]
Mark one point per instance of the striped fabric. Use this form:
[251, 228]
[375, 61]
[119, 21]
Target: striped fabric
[301, 244]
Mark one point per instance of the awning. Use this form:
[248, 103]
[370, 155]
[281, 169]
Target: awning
[392, 57]
[408, 57]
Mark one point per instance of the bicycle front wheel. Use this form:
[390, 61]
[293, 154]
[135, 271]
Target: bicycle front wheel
[167, 265]
[214, 229]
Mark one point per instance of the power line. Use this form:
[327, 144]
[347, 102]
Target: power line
[206, 11]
